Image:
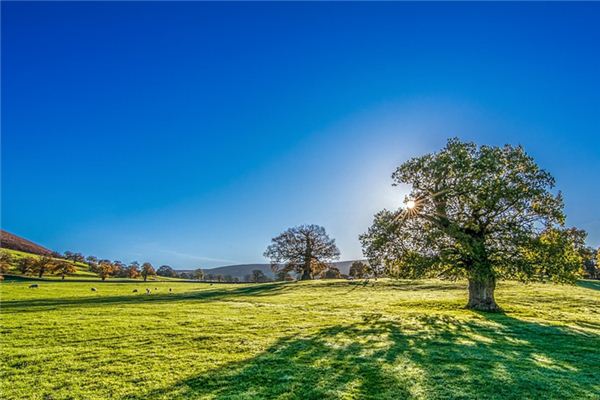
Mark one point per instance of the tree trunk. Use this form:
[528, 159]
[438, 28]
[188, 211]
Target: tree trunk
[306, 274]
[481, 294]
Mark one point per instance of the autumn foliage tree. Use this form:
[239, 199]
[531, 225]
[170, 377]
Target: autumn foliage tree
[64, 268]
[481, 213]
[147, 269]
[305, 249]
[105, 269]
[133, 270]
[25, 265]
[43, 265]
[6, 262]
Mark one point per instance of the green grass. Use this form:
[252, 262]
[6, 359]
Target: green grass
[313, 340]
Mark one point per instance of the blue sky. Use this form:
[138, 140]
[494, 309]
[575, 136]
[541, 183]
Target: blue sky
[191, 133]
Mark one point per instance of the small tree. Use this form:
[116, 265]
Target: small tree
[147, 269]
[64, 268]
[258, 276]
[106, 269]
[359, 270]
[199, 274]
[6, 262]
[26, 265]
[304, 249]
[75, 257]
[133, 270]
[480, 213]
[44, 264]
[282, 275]
[332, 273]
[165, 270]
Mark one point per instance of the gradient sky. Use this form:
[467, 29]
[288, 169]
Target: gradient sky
[192, 133]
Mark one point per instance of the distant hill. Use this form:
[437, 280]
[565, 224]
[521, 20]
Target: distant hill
[14, 242]
[241, 270]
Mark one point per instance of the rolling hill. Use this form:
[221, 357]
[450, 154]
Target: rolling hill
[241, 270]
[14, 242]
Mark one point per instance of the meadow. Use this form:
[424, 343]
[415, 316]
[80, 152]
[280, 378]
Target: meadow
[305, 340]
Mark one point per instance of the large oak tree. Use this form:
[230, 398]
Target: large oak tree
[481, 213]
[304, 249]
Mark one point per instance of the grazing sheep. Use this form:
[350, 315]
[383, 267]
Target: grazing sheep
[170, 290]
[94, 289]
[35, 285]
[134, 290]
[147, 291]
[155, 288]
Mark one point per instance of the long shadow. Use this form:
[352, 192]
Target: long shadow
[98, 300]
[491, 357]
[588, 284]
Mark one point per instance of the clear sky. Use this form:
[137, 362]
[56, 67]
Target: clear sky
[192, 133]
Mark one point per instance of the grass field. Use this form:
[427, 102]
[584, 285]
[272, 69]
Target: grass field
[312, 340]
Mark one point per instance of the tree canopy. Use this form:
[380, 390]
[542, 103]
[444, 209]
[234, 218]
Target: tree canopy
[304, 249]
[476, 212]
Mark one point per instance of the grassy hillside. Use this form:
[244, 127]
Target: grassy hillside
[82, 271]
[309, 340]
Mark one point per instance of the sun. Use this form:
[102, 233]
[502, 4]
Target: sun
[410, 204]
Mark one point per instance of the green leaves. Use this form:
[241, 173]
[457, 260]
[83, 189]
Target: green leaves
[481, 211]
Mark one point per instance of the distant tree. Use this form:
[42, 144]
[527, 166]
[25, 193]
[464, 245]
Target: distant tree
[236, 279]
[259, 276]
[105, 269]
[186, 275]
[359, 270]
[76, 257]
[481, 213]
[304, 249]
[147, 269]
[120, 269]
[91, 259]
[219, 278]
[331, 273]
[597, 266]
[133, 270]
[248, 278]
[26, 265]
[228, 278]
[44, 264]
[283, 275]
[210, 277]
[165, 270]
[6, 262]
[199, 274]
[64, 268]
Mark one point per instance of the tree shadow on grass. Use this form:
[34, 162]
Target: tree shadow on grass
[488, 357]
[588, 284]
[137, 298]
